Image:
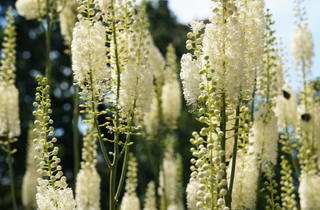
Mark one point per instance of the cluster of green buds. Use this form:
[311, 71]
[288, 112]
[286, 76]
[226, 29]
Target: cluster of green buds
[287, 196]
[268, 77]
[271, 184]
[49, 162]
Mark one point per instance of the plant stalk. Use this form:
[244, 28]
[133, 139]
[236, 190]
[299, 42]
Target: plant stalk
[234, 156]
[13, 194]
[76, 131]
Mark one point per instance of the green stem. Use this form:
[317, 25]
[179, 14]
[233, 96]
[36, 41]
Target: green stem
[258, 186]
[76, 131]
[13, 194]
[126, 158]
[253, 96]
[295, 166]
[96, 123]
[234, 156]
[124, 170]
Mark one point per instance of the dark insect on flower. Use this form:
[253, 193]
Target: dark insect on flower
[286, 95]
[306, 117]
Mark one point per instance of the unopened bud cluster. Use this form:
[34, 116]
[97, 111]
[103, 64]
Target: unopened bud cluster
[49, 162]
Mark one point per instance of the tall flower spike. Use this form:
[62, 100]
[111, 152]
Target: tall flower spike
[89, 57]
[150, 200]
[287, 196]
[130, 199]
[52, 192]
[267, 81]
[88, 179]
[286, 108]
[251, 17]
[151, 120]
[167, 178]
[271, 184]
[309, 191]
[223, 42]
[9, 98]
[245, 183]
[265, 134]
[171, 89]
[177, 202]
[31, 176]
[301, 40]
[137, 81]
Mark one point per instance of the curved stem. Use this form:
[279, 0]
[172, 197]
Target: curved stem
[96, 124]
[126, 157]
[13, 194]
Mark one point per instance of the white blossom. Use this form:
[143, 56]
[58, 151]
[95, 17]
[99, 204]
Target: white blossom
[286, 108]
[88, 189]
[196, 26]
[176, 206]
[265, 134]
[136, 89]
[28, 8]
[130, 202]
[155, 59]
[192, 189]
[31, 176]
[150, 200]
[171, 100]
[190, 78]
[245, 182]
[29, 190]
[309, 192]
[9, 110]
[49, 198]
[251, 17]
[167, 177]
[224, 44]
[151, 120]
[89, 52]
[301, 46]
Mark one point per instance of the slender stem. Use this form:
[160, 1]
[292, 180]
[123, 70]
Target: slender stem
[258, 186]
[96, 124]
[295, 166]
[13, 194]
[76, 131]
[126, 157]
[253, 96]
[234, 155]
